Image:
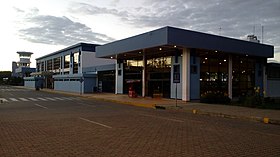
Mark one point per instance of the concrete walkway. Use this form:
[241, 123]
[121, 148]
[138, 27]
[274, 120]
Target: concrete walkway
[228, 111]
[261, 115]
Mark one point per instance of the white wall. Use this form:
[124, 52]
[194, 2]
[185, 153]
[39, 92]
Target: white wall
[30, 84]
[273, 88]
[71, 86]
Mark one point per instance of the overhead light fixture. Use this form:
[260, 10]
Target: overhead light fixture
[139, 52]
[206, 58]
[160, 48]
[220, 63]
[216, 51]
[111, 57]
[246, 55]
[175, 46]
[225, 60]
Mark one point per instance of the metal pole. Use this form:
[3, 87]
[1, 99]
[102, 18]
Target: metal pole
[176, 95]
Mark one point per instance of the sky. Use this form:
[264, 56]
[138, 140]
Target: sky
[46, 26]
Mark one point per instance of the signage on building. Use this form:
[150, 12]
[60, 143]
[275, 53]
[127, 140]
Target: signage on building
[176, 74]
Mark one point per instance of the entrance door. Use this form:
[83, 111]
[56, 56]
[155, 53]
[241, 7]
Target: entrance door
[159, 88]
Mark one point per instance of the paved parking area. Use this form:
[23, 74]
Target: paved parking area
[85, 127]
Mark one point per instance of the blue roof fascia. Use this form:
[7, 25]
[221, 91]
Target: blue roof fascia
[146, 40]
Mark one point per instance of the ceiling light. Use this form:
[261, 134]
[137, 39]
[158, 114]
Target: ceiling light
[139, 52]
[216, 51]
[160, 48]
[206, 58]
[175, 46]
[225, 60]
[111, 57]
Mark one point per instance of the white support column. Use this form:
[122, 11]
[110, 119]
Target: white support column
[116, 77]
[186, 74]
[264, 81]
[119, 78]
[144, 75]
[230, 76]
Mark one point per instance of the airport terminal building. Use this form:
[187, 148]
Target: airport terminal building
[166, 60]
[162, 63]
[72, 69]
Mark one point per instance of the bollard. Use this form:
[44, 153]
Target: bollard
[266, 120]
[194, 111]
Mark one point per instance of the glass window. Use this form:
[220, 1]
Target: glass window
[213, 74]
[67, 61]
[135, 63]
[49, 64]
[76, 61]
[243, 75]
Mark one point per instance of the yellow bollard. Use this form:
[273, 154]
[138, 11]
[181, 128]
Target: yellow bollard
[194, 111]
[266, 120]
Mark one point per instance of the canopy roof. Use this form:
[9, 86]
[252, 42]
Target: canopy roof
[170, 36]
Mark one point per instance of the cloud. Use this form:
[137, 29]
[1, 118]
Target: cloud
[88, 9]
[236, 18]
[54, 30]
[18, 10]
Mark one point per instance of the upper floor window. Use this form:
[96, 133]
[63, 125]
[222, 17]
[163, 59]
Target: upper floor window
[75, 62]
[67, 61]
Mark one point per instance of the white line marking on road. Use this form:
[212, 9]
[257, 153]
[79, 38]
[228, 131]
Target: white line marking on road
[4, 100]
[41, 106]
[42, 99]
[23, 99]
[106, 126]
[57, 98]
[33, 99]
[164, 118]
[13, 99]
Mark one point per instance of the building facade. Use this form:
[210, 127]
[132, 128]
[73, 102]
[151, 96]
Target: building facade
[171, 62]
[71, 69]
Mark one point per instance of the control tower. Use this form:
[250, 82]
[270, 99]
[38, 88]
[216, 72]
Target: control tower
[22, 67]
[24, 59]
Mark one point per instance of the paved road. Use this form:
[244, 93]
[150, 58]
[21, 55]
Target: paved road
[61, 125]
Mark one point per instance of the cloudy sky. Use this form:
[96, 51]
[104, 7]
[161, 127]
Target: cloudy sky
[45, 26]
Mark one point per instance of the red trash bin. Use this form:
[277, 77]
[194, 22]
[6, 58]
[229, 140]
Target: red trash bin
[131, 92]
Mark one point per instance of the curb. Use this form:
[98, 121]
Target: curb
[125, 102]
[265, 120]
